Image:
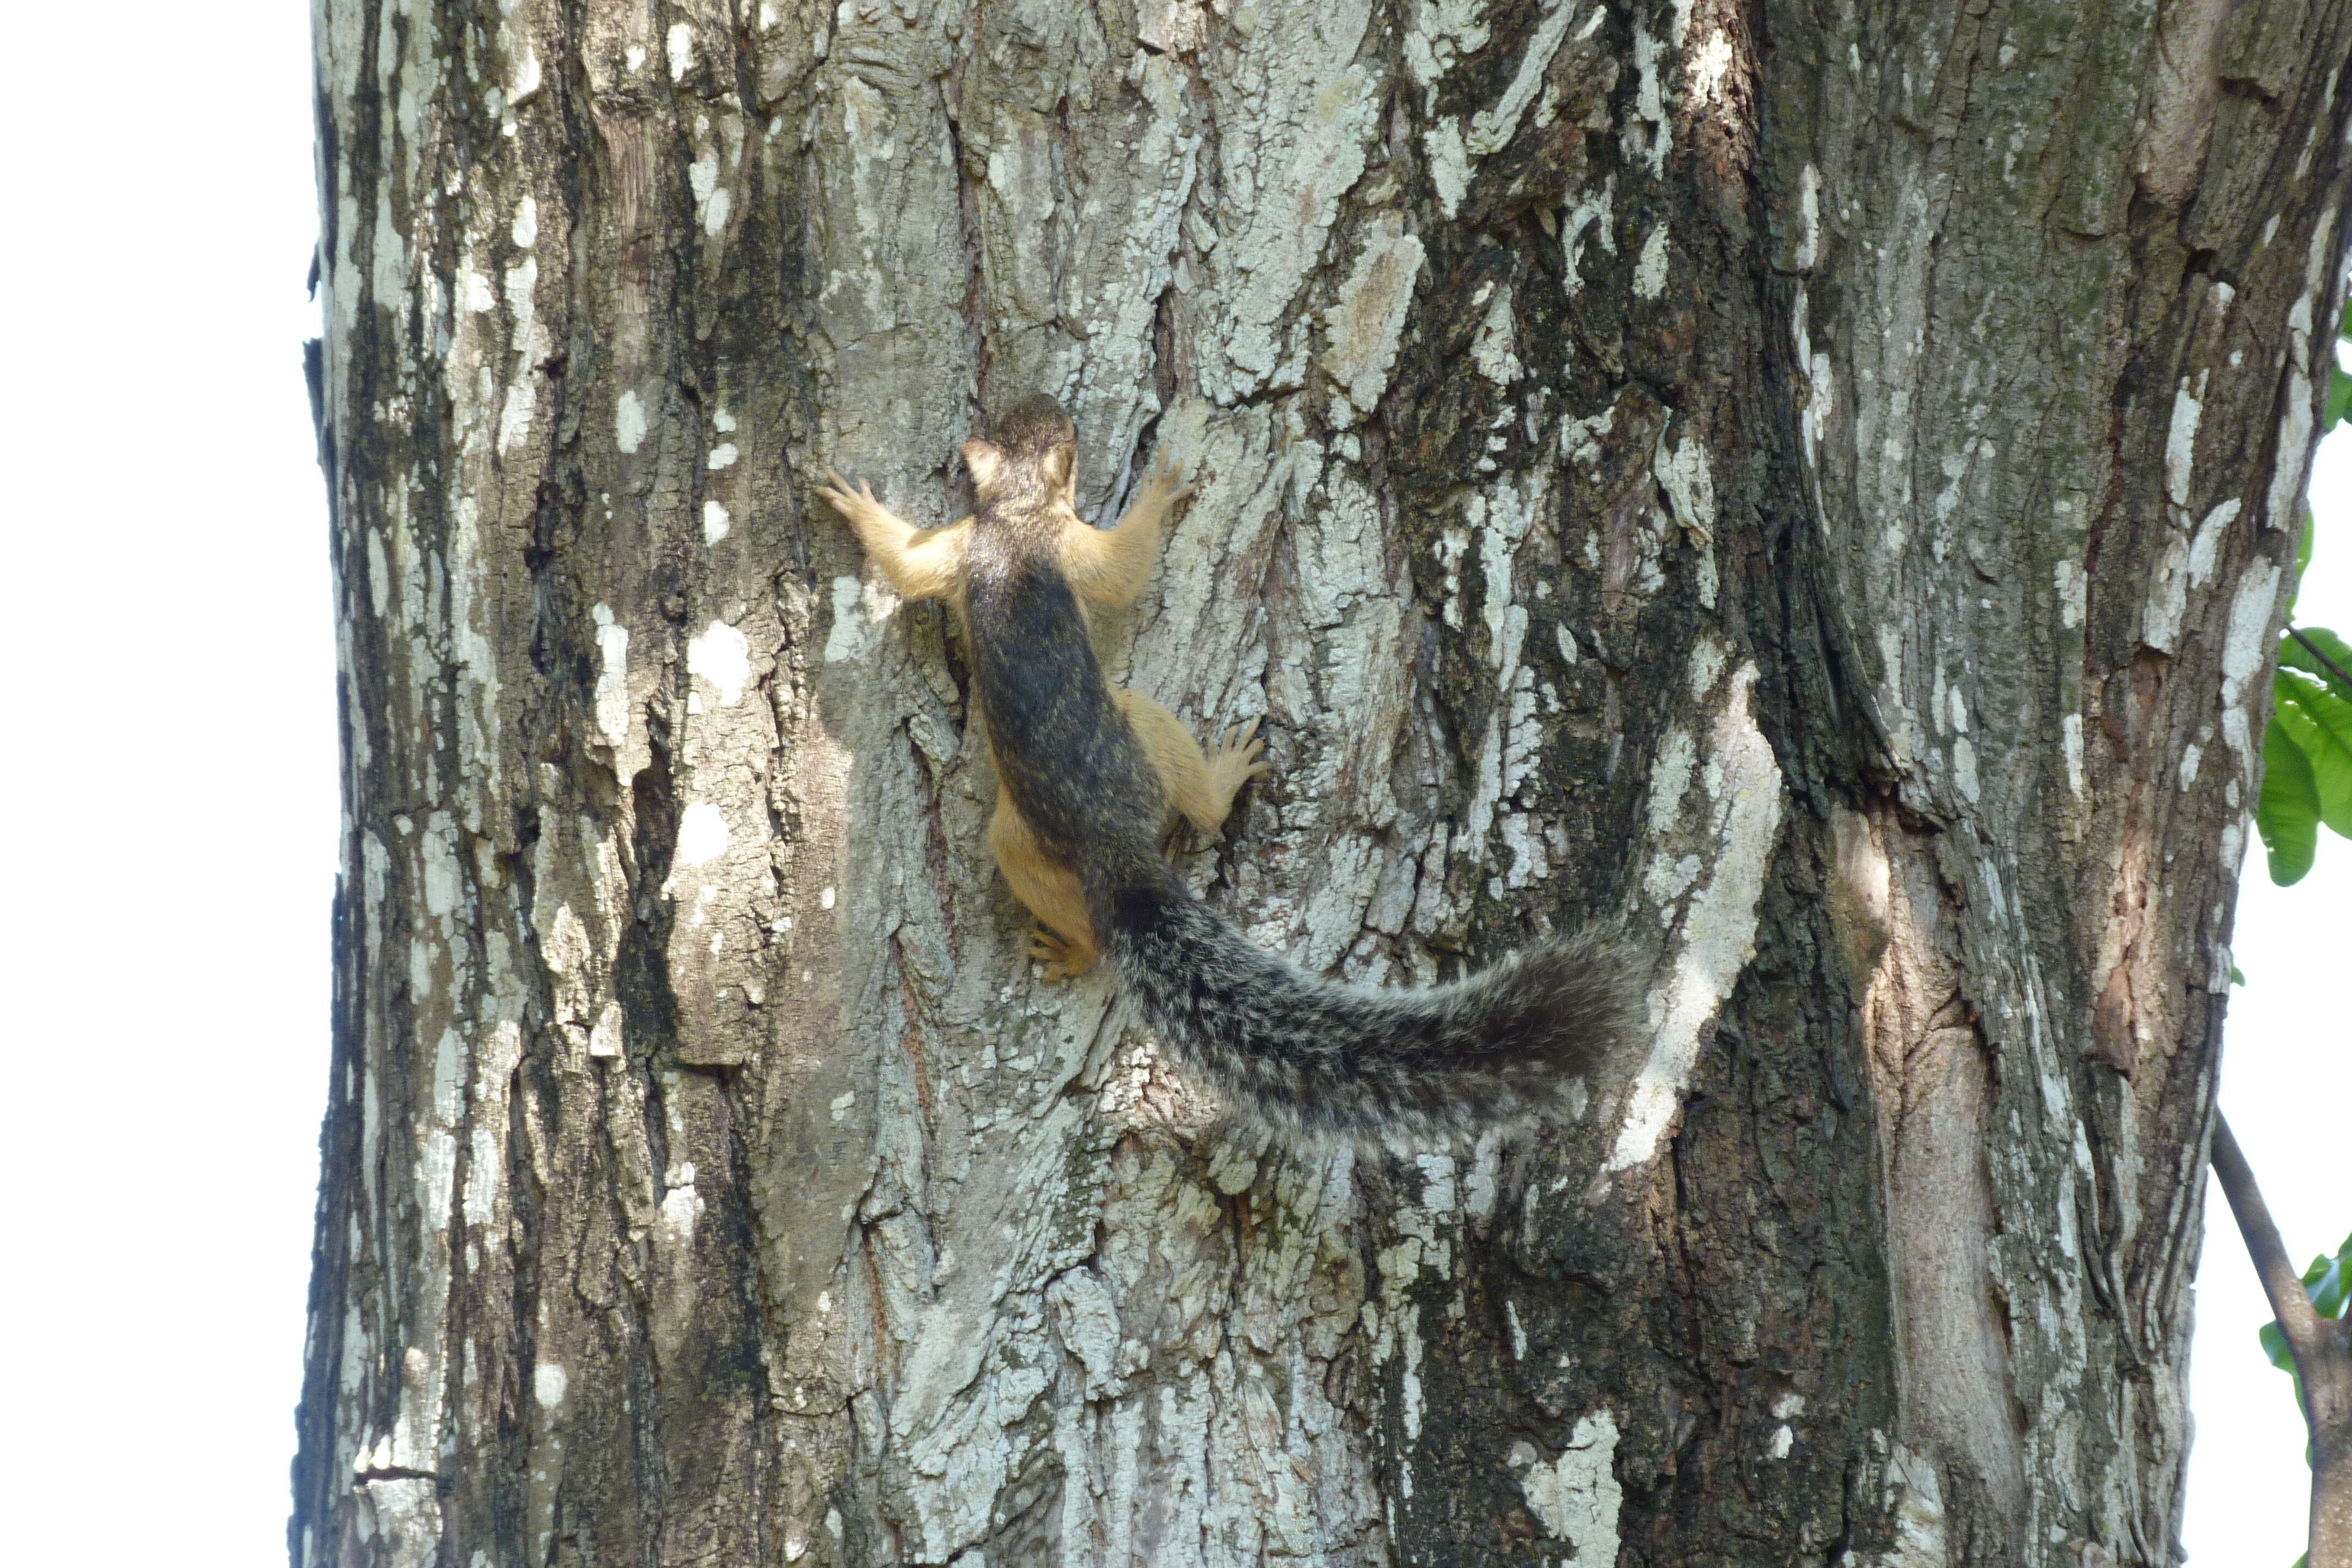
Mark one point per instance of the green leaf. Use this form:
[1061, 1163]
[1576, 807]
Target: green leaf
[2294, 654]
[2339, 398]
[2288, 815]
[2237, 976]
[2319, 722]
[2328, 1280]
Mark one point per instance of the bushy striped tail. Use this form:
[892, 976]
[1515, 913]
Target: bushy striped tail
[1318, 1059]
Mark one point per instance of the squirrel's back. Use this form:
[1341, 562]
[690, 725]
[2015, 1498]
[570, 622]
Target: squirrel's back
[1064, 753]
[1304, 1055]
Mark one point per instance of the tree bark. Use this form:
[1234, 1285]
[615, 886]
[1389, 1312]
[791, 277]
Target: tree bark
[1818, 481]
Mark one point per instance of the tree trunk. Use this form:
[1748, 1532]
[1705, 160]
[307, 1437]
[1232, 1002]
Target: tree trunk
[1820, 481]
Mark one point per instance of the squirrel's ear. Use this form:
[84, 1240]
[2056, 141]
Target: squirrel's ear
[1060, 468]
[985, 460]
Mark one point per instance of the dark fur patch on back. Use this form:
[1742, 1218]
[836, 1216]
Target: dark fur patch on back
[1309, 1057]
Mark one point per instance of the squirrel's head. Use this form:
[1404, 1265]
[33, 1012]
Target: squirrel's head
[1032, 460]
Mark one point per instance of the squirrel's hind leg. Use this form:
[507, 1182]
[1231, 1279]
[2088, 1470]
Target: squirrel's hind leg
[1064, 940]
[1200, 787]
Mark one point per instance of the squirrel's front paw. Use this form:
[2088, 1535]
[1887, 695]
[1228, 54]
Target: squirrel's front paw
[1169, 479]
[1239, 755]
[853, 504]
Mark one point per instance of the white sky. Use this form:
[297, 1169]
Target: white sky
[170, 783]
[173, 808]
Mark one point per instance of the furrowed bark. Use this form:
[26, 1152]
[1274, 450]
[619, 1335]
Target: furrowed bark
[1819, 481]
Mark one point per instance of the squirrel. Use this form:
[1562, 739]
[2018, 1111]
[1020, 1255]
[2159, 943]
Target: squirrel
[1090, 777]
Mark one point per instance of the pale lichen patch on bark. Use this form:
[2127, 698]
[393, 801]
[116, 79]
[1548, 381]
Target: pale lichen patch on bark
[1715, 931]
[1650, 266]
[2295, 403]
[1576, 1495]
[1455, 149]
[2253, 614]
[1586, 212]
[1912, 1493]
[1298, 113]
[1369, 315]
[613, 715]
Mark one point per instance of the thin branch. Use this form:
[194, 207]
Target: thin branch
[2323, 1356]
[2325, 663]
[2298, 1320]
